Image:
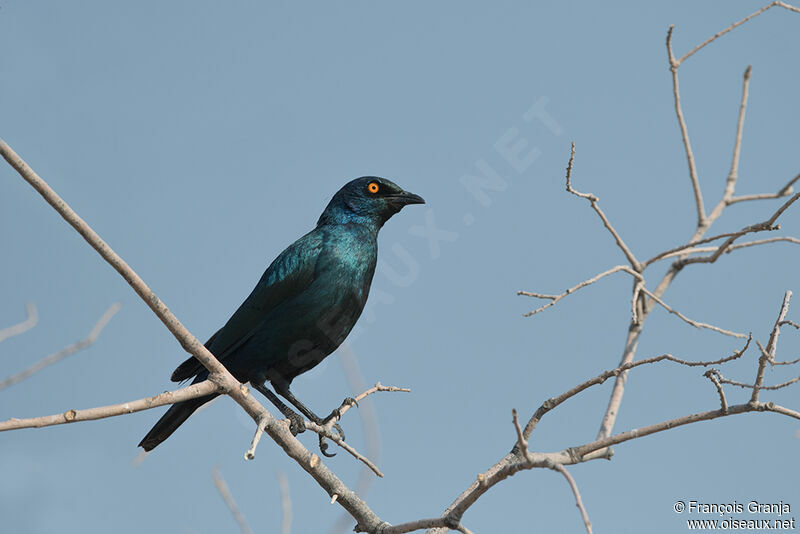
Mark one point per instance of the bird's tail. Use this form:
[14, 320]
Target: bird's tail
[170, 421]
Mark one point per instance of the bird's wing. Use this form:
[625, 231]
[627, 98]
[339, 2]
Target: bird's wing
[287, 276]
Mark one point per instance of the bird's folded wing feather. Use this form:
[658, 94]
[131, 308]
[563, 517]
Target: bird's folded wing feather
[289, 274]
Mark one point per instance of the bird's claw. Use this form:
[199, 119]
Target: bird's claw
[296, 423]
[323, 447]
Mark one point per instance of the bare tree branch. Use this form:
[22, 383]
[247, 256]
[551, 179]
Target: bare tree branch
[768, 355]
[66, 351]
[713, 375]
[222, 487]
[676, 94]
[336, 438]
[692, 250]
[552, 402]
[593, 201]
[101, 412]
[704, 222]
[769, 224]
[20, 328]
[555, 298]
[734, 25]
[578, 501]
[696, 324]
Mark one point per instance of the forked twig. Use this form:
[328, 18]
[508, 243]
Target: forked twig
[66, 351]
[22, 327]
[593, 201]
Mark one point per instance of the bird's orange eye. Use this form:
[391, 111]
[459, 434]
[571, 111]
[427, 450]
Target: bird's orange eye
[373, 187]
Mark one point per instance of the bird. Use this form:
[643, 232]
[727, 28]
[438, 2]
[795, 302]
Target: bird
[303, 306]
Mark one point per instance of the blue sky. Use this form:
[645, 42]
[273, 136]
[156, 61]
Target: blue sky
[199, 139]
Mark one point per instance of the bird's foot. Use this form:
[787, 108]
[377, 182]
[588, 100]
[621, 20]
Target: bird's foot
[323, 445]
[296, 423]
[337, 414]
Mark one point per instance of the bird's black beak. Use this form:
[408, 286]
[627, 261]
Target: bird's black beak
[405, 198]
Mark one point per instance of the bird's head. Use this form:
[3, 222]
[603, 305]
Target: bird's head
[368, 199]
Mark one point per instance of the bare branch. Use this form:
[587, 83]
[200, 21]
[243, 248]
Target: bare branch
[768, 355]
[345, 406]
[101, 412]
[696, 324]
[555, 298]
[336, 438]
[734, 25]
[786, 239]
[578, 501]
[66, 351]
[435, 523]
[791, 362]
[512, 463]
[593, 200]
[785, 191]
[713, 375]
[698, 194]
[522, 448]
[20, 328]
[742, 385]
[251, 452]
[222, 487]
[769, 224]
[733, 175]
[552, 402]
[581, 451]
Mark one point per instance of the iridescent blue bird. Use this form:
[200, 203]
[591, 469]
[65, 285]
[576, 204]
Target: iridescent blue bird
[303, 307]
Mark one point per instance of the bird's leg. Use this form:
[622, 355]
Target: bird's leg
[296, 423]
[283, 389]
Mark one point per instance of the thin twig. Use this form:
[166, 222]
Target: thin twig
[593, 200]
[714, 376]
[20, 328]
[555, 298]
[513, 463]
[733, 175]
[786, 239]
[552, 402]
[767, 225]
[742, 385]
[222, 487]
[694, 323]
[336, 438]
[66, 351]
[676, 94]
[251, 452]
[734, 25]
[768, 355]
[736, 246]
[578, 501]
[345, 406]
